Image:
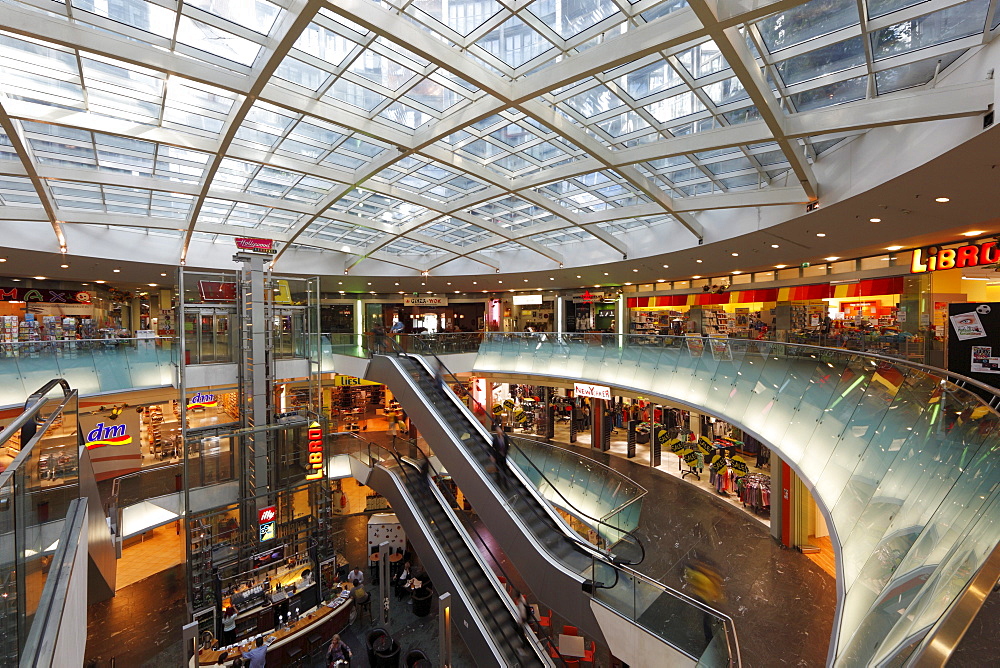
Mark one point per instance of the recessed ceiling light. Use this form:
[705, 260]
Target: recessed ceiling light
[340, 282]
[99, 282]
[400, 292]
[820, 234]
[737, 272]
[116, 270]
[448, 284]
[64, 266]
[162, 274]
[3, 259]
[525, 280]
[372, 292]
[698, 261]
[597, 286]
[696, 277]
[476, 283]
[497, 282]
[874, 220]
[635, 271]
[735, 254]
[456, 292]
[774, 246]
[18, 280]
[38, 278]
[894, 248]
[579, 276]
[666, 266]
[605, 273]
[942, 199]
[661, 280]
[552, 278]
[832, 258]
[152, 285]
[85, 284]
[369, 284]
[973, 233]
[780, 266]
[397, 283]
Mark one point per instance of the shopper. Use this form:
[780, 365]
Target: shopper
[356, 576]
[257, 655]
[378, 338]
[501, 447]
[339, 653]
[706, 586]
[229, 625]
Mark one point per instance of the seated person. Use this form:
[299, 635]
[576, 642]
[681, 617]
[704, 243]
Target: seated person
[358, 592]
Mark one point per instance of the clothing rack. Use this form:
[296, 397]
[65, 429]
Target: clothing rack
[755, 492]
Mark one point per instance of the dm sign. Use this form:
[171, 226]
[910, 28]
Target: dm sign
[203, 400]
[111, 434]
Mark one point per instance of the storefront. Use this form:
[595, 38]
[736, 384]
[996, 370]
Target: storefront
[590, 312]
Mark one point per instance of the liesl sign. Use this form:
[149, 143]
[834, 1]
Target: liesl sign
[935, 258]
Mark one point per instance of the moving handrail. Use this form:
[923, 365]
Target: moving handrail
[434, 513]
[593, 555]
[569, 504]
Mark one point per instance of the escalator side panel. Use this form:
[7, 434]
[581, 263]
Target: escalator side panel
[553, 584]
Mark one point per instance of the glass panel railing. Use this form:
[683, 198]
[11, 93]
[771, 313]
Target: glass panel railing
[898, 453]
[89, 365]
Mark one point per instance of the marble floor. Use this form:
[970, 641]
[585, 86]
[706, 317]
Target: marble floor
[157, 550]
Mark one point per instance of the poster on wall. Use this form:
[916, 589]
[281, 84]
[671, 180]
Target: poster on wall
[695, 345]
[968, 325]
[969, 328]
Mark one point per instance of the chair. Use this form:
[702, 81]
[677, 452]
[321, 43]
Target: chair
[588, 654]
[365, 605]
[571, 663]
[570, 631]
[545, 621]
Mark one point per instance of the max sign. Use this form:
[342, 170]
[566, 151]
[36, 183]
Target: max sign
[934, 258]
[112, 434]
[315, 468]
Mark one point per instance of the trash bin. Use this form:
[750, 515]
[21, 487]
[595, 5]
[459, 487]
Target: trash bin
[422, 602]
[373, 636]
[387, 653]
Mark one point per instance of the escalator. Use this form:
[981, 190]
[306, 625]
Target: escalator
[482, 611]
[592, 588]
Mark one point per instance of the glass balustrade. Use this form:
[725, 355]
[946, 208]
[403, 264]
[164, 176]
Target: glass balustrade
[90, 366]
[901, 456]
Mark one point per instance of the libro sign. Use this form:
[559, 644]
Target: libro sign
[255, 245]
[315, 452]
[592, 391]
[934, 258]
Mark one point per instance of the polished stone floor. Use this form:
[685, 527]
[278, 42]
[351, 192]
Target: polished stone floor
[781, 602]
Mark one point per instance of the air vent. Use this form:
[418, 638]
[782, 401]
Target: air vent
[988, 120]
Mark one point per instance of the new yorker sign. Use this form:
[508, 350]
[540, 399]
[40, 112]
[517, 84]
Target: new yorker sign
[935, 258]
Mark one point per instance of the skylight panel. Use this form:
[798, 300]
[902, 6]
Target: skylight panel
[571, 17]
[675, 107]
[804, 22]
[831, 94]
[380, 70]
[325, 44]
[355, 95]
[462, 16]
[404, 115]
[913, 74]
[434, 95]
[256, 15]
[146, 16]
[829, 59]
[210, 39]
[703, 60]
[962, 20]
[649, 80]
[595, 101]
[726, 91]
[514, 43]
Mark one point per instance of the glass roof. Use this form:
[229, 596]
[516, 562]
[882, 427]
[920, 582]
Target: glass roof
[424, 132]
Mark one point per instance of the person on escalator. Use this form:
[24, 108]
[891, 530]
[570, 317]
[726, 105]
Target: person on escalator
[501, 446]
[705, 584]
[439, 378]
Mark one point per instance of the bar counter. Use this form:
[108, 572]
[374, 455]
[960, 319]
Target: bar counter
[313, 630]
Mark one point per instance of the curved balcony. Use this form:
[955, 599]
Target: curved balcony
[901, 458]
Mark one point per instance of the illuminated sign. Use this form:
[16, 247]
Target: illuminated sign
[203, 400]
[345, 381]
[255, 245]
[267, 519]
[588, 297]
[45, 296]
[217, 291]
[592, 391]
[315, 452]
[935, 258]
[527, 300]
[424, 301]
[112, 434]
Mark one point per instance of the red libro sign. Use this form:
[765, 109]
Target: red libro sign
[268, 514]
[256, 245]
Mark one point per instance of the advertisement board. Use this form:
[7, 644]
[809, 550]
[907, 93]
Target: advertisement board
[113, 442]
[973, 343]
[592, 391]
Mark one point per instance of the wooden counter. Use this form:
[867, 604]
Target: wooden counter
[312, 631]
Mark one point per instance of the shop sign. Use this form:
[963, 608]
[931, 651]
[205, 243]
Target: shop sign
[934, 258]
[592, 391]
[255, 245]
[315, 452]
[409, 300]
[203, 400]
[267, 520]
[217, 291]
[508, 403]
[497, 409]
[112, 434]
[45, 296]
[349, 381]
[588, 297]
[527, 300]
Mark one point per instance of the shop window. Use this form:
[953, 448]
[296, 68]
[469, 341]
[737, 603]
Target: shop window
[844, 267]
[814, 270]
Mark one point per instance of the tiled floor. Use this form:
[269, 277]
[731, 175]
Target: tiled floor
[159, 550]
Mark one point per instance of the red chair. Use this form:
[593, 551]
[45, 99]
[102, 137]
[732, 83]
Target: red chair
[570, 631]
[545, 621]
[553, 652]
[588, 654]
[571, 663]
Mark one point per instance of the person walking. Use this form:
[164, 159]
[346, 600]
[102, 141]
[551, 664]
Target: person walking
[501, 447]
[378, 338]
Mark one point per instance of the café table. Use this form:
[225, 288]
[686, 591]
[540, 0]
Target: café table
[571, 645]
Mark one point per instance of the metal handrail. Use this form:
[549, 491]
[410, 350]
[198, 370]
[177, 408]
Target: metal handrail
[936, 371]
[32, 405]
[579, 541]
